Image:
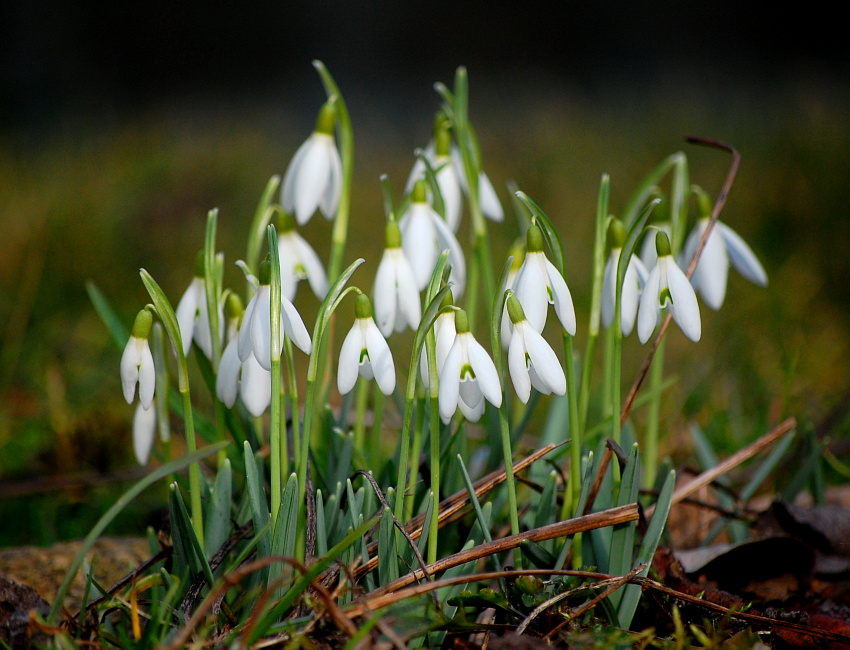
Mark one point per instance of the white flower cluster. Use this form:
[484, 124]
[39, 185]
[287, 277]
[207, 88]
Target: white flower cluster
[466, 373]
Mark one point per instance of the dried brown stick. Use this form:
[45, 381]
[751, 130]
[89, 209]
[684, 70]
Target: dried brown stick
[715, 215]
[711, 474]
[610, 517]
[451, 506]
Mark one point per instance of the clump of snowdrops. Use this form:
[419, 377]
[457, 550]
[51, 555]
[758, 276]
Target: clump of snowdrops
[339, 482]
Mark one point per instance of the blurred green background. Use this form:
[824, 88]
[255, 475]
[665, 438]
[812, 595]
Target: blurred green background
[117, 172]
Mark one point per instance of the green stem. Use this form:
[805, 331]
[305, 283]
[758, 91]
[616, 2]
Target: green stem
[377, 421]
[650, 456]
[293, 406]
[575, 429]
[359, 423]
[194, 468]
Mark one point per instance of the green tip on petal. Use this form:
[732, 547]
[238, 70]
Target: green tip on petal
[617, 233]
[142, 325]
[326, 121]
[442, 140]
[233, 306]
[265, 276]
[420, 192]
[662, 244]
[363, 308]
[393, 235]
[447, 299]
[285, 223]
[534, 239]
[461, 322]
[515, 311]
[199, 265]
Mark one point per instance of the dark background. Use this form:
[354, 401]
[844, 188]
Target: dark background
[102, 59]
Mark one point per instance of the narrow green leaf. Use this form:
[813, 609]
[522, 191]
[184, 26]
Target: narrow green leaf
[259, 505]
[114, 326]
[217, 517]
[387, 555]
[262, 217]
[631, 593]
[190, 542]
[623, 535]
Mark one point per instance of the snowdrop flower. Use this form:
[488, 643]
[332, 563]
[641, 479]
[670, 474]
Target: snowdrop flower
[298, 261]
[636, 275]
[468, 376]
[424, 235]
[365, 352]
[724, 245]
[247, 378]
[144, 431]
[488, 200]
[193, 316]
[539, 284]
[137, 362]
[255, 333]
[668, 287]
[444, 335]
[395, 293]
[313, 179]
[531, 362]
[438, 154]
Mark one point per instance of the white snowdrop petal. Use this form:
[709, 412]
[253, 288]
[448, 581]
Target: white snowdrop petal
[186, 313]
[256, 387]
[609, 288]
[227, 380]
[518, 368]
[130, 369]
[384, 295]
[381, 358]
[147, 375]
[489, 200]
[349, 359]
[485, 372]
[294, 327]
[144, 431]
[545, 362]
[245, 345]
[742, 256]
[630, 298]
[450, 383]
[649, 308]
[408, 295]
[290, 179]
[261, 328]
[447, 240]
[684, 305]
[333, 191]
[712, 271]
[562, 301]
[419, 243]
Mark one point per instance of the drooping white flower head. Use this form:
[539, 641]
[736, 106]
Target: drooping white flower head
[365, 352]
[636, 275]
[255, 333]
[444, 335]
[723, 246]
[137, 362]
[313, 179]
[193, 317]
[468, 376]
[668, 287]
[488, 200]
[539, 284]
[298, 261]
[144, 432]
[244, 378]
[424, 235]
[531, 362]
[439, 157]
[395, 294]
